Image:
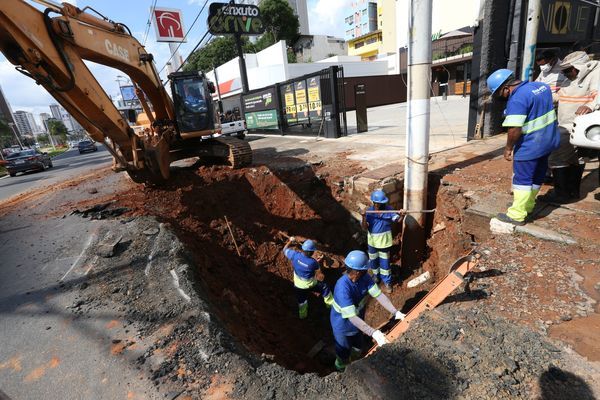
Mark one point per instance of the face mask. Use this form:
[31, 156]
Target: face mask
[545, 68]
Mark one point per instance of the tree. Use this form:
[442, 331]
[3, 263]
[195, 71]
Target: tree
[43, 140]
[217, 52]
[57, 129]
[280, 23]
[7, 137]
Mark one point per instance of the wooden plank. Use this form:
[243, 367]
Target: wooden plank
[435, 296]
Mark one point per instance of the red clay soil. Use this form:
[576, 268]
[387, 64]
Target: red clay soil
[253, 294]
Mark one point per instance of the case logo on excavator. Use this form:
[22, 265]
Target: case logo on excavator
[116, 50]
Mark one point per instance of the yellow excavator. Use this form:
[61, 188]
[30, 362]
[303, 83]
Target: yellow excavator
[50, 46]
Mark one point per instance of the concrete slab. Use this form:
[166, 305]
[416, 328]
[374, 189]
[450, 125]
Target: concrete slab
[545, 234]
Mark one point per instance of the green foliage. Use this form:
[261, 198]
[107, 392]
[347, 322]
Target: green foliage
[280, 24]
[291, 56]
[57, 129]
[43, 140]
[217, 52]
[7, 137]
[279, 21]
[266, 40]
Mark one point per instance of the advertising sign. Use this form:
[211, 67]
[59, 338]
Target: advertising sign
[301, 101]
[128, 93]
[260, 109]
[262, 119]
[240, 19]
[168, 23]
[259, 101]
[289, 103]
[315, 106]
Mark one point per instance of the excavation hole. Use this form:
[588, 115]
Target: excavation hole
[252, 293]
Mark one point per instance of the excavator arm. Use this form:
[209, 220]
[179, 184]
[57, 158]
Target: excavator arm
[50, 47]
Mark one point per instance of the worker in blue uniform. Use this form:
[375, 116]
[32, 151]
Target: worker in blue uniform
[305, 267]
[379, 238]
[348, 309]
[532, 135]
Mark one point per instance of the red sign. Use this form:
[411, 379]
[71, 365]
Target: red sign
[169, 25]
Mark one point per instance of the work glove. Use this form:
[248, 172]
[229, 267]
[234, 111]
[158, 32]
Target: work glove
[292, 239]
[379, 338]
[399, 315]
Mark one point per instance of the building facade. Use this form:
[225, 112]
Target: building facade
[6, 112]
[26, 123]
[362, 20]
[44, 117]
[60, 114]
[55, 111]
[312, 48]
[371, 29]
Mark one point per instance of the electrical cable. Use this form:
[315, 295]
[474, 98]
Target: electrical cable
[149, 22]
[223, 9]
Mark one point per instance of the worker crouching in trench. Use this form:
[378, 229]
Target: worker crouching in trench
[305, 268]
[348, 310]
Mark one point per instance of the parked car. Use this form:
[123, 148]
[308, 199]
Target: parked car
[27, 160]
[86, 145]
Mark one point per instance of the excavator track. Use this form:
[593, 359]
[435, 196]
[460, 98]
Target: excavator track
[240, 152]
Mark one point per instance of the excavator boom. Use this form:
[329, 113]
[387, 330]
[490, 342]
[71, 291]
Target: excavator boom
[51, 46]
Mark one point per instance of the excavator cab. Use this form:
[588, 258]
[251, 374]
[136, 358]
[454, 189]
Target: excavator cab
[193, 102]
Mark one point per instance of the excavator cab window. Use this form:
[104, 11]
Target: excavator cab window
[192, 103]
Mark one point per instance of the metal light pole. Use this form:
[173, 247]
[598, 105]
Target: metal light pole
[531, 32]
[417, 135]
[12, 126]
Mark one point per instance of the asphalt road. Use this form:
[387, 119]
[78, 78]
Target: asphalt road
[46, 350]
[67, 165]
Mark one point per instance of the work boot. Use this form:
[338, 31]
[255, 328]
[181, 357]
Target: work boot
[560, 193]
[505, 218]
[575, 176]
[388, 288]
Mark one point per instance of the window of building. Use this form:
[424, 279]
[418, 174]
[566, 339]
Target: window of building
[364, 12]
[358, 45]
[372, 39]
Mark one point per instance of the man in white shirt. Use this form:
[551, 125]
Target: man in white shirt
[551, 73]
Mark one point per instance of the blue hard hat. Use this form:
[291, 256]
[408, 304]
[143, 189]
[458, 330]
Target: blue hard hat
[357, 260]
[497, 79]
[378, 196]
[309, 245]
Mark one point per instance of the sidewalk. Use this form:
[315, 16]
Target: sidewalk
[384, 143]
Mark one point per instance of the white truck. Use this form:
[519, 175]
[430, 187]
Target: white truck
[586, 131]
[234, 128]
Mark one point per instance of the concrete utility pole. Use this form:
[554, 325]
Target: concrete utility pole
[531, 32]
[176, 59]
[417, 135]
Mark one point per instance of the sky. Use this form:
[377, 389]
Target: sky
[325, 17]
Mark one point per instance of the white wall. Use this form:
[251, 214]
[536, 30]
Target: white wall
[270, 66]
[370, 68]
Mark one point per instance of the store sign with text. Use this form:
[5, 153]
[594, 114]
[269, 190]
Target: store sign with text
[234, 19]
[315, 106]
[289, 102]
[301, 101]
